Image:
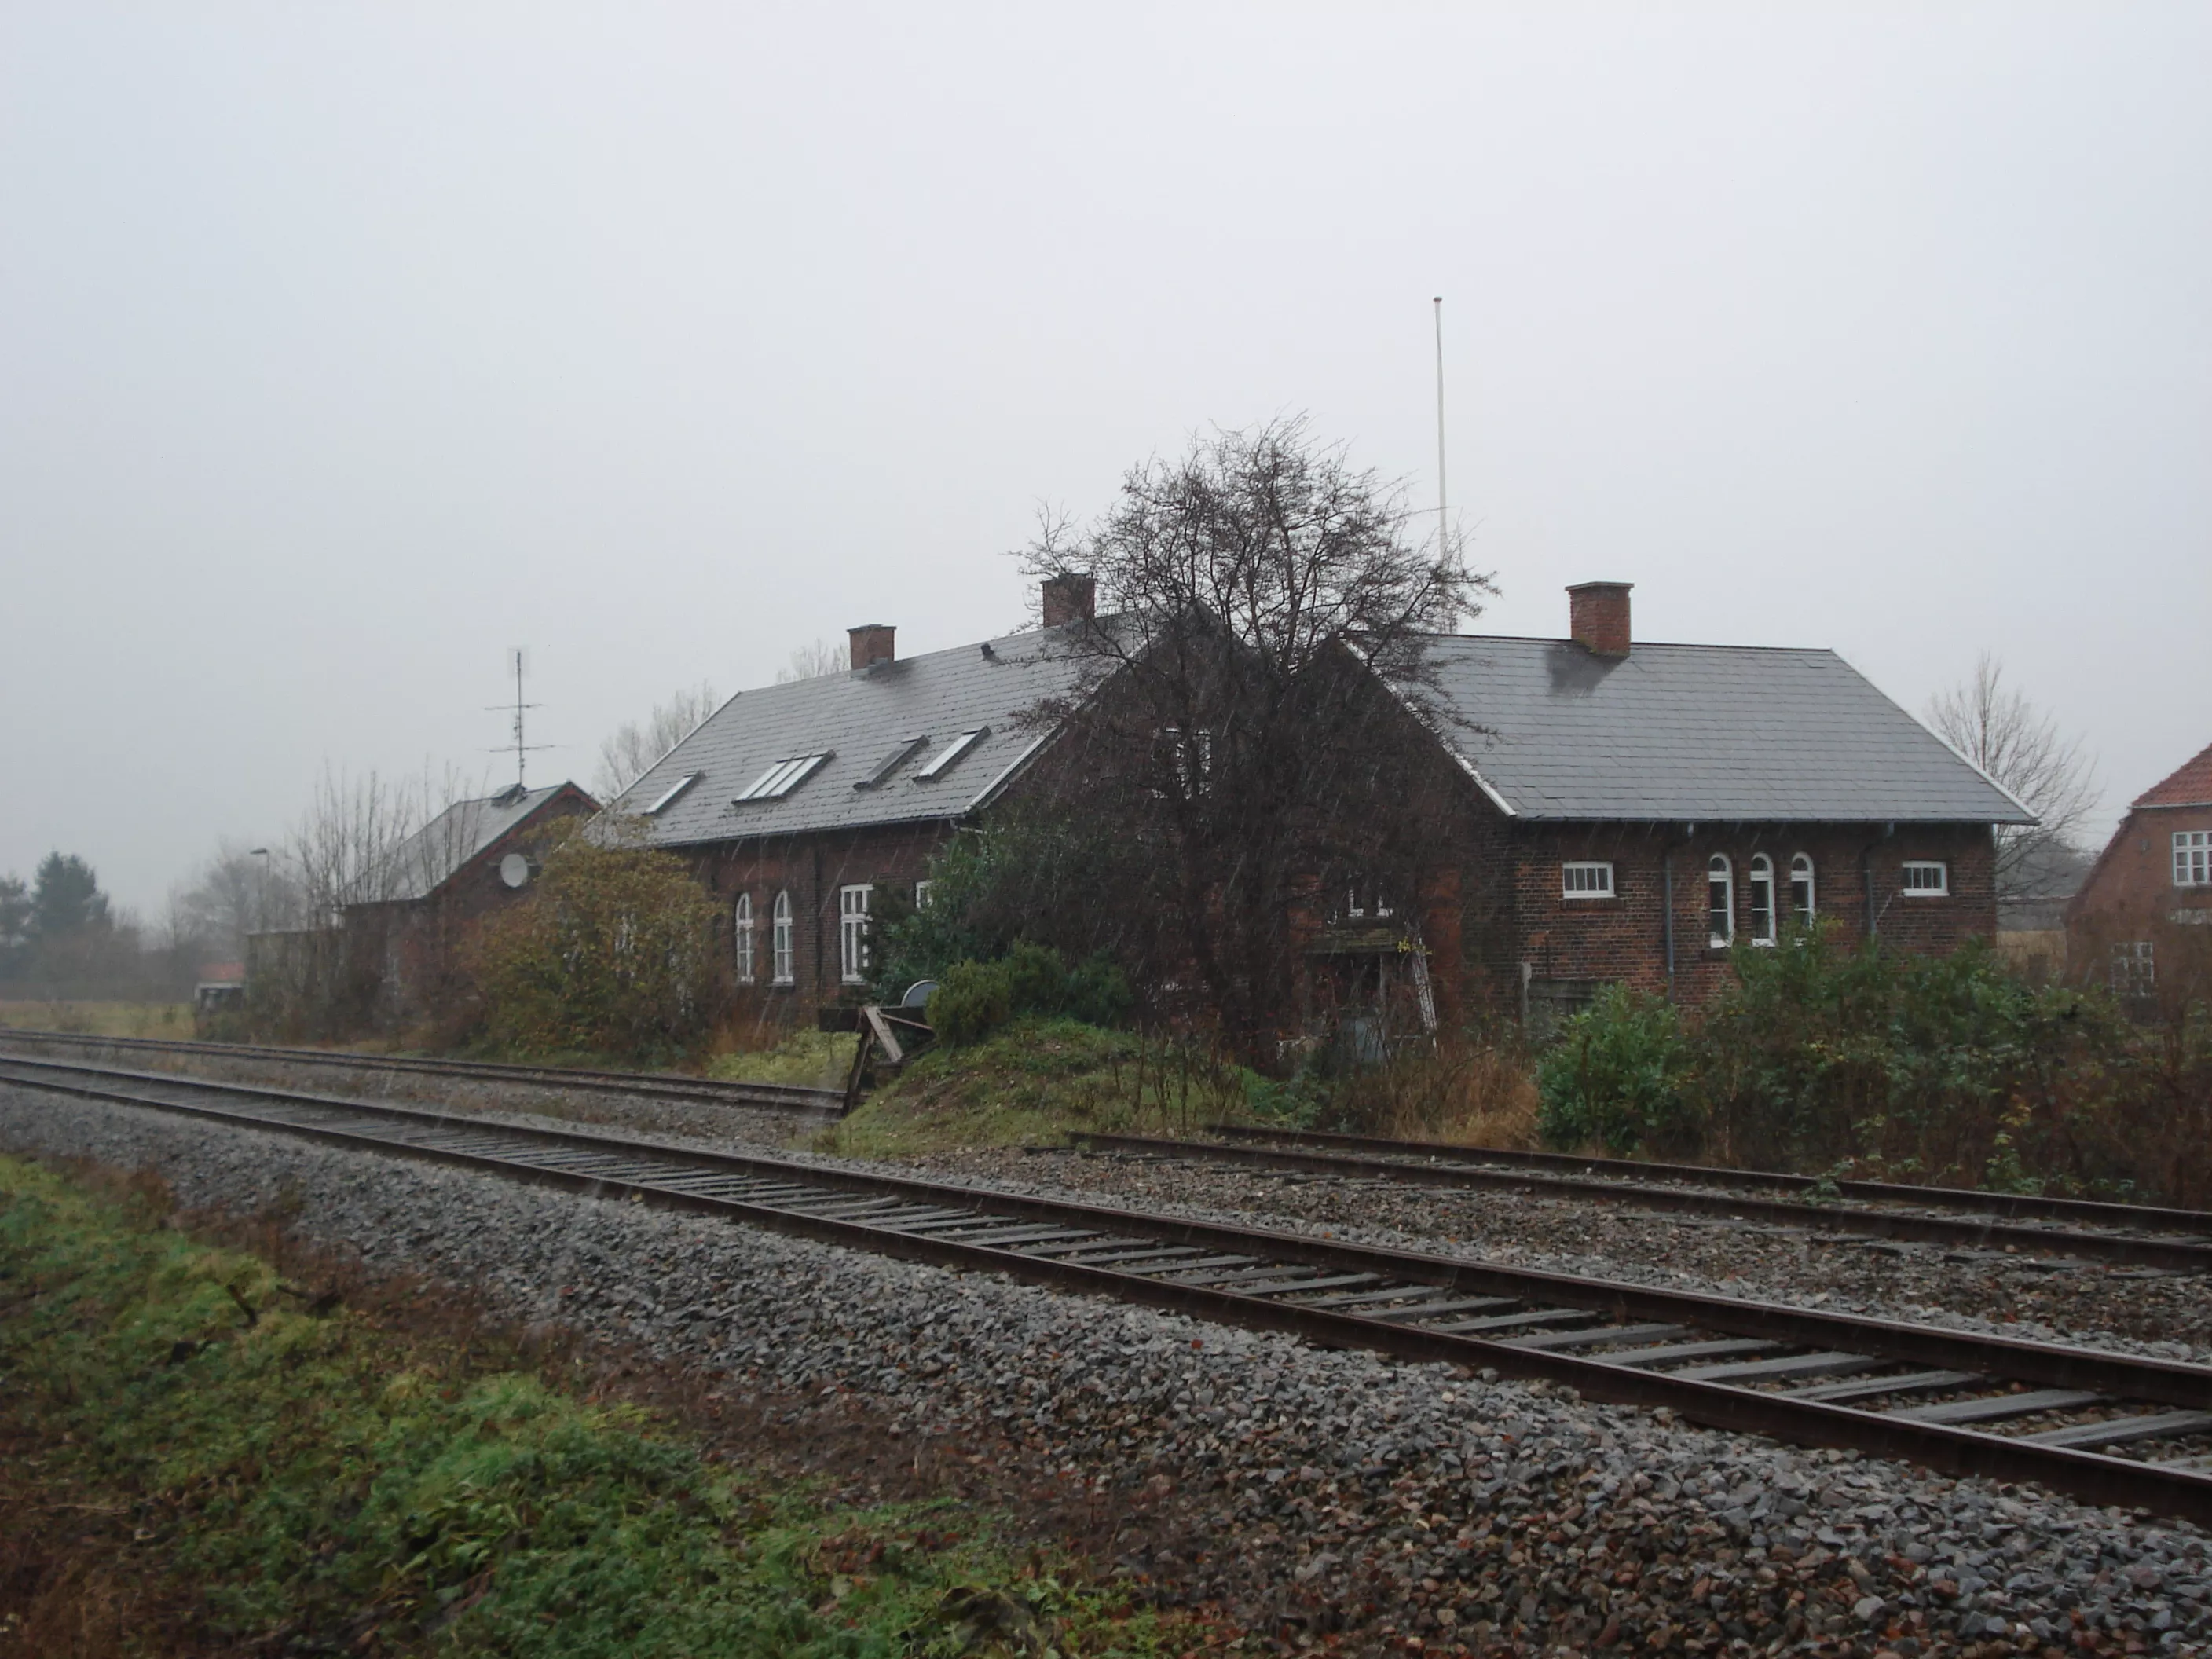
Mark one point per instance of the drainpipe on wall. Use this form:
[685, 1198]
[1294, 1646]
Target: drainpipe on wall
[1667, 864]
[1866, 868]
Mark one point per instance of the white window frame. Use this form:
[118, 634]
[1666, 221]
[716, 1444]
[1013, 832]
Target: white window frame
[666, 799]
[780, 779]
[1720, 874]
[1801, 876]
[2192, 858]
[1361, 900]
[741, 929]
[779, 939]
[852, 933]
[950, 757]
[1921, 867]
[2134, 969]
[1587, 878]
[921, 895]
[1764, 923]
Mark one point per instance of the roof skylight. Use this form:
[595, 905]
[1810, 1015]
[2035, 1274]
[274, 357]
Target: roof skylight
[891, 763]
[949, 756]
[666, 799]
[780, 779]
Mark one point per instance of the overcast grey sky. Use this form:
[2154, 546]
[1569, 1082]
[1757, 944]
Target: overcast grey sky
[342, 346]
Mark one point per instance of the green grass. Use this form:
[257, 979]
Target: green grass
[1032, 1081]
[328, 1483]
[814, 1059]
[150, 1020]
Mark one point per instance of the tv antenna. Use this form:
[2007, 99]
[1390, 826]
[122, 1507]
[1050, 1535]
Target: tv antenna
[518, 664]
[1443, 533]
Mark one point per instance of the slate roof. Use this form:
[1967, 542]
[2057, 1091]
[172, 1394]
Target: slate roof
[1696, 733]
[2190, 785]
[861, 718]
[426, 859]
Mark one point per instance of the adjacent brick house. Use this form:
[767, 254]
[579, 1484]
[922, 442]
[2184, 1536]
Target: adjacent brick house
[472, 858]
[2143, 921]
[1634, 809]
[799, 804]
[1602, 810]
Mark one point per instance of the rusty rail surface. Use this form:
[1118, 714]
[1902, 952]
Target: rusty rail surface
[1749, 1366]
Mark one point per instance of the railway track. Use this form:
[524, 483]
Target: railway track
[1959, 1401]
[1965, 1199]
[2147, 1243]
[660, 1085]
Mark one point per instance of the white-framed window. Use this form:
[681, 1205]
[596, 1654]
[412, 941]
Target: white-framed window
[921, 895]
[741, 929]
[1762, 899]
[1926, 878]
[2135, 969]
[1720, 900]
[667, 797]
[1801, 896]
[852, 933]
[949, 756]
[1586, 878]
[779, 940]
[1362, 899]
[786, 776]
[2192, 858]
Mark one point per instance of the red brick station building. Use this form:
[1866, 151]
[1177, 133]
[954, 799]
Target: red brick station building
[1625, 810]
[2144, 915]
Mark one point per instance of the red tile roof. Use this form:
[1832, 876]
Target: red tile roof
[2190, 786]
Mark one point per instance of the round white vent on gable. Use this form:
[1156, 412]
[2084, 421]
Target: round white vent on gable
[514, 869]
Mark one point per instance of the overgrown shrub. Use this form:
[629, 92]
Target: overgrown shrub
[1620, 1075]
[1950, 1069]
[1036, 979]
[612, 952]
[1098, 992]
[1815, 1054]
[974, 998]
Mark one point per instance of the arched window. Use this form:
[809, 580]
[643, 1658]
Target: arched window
[779, 940]
[1762, 899]
[1801, 889]
[1720, 901]
[741, 928]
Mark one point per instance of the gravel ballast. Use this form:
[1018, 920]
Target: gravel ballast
[1309, 1494]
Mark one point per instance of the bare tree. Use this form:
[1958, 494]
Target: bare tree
[628, 754]
[237, 891]
[1996, 727]
[1227, 713]
[813, 662]
[363, 842]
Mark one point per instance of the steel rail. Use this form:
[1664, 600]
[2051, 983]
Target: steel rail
[1239, 1275]
[773, 1096]
[2181, 1255]
[2083, 1210]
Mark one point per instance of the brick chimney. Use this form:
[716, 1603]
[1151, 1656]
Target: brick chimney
[872, 644]
[1597, 615]
[1070, 598]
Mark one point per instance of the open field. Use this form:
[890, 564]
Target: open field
[163, 1019]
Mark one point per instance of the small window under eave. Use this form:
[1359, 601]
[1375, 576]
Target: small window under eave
[780, 779]
[668, 797]
[949, 756]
